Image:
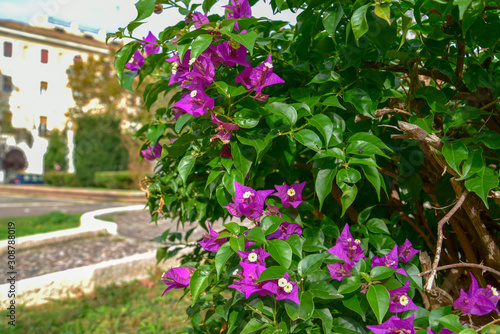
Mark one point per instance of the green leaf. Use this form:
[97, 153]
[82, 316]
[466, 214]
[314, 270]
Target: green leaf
[489, 138]
[247, 40]
[223, 254]
[462, 6]
[306, 307]
[295, 244]
[454, 153]
[237, 244]
[185, 166]
[377, 225]
[324, 182]
[181, 121]
[356, 303]
[122, 57]
[474, 162]
[346, 325]
[254, 325]
[247, 118]
[243, 157]
[310, 263]
[381, 272]
[482, 182]
[348, 176]
[200, 44]
[144, 9]
[384, 12]
[326, 319]
[281, 251]
[334, 152]
[269, 224]
[358, 22]
[333, 101]
[438, 313]
[332, 20]
[285, 110]
[324, 125]
[434, 97]
[361, 100]
[308, 138]
[451, 321]
[348, 196]
[406, 23]
[349, 284]
[324, 290]
[199, 282]
[379, 300]
[256, 234]
[155, 132]
[271, 273]
[233, 227]
[361, 147]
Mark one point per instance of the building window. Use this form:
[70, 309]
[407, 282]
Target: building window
[7, 49]
[45, 56]
[7, 84]
[43, 87]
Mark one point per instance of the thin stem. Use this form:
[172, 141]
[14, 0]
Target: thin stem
[260, 313]
[441, 223]
[457, 265]
[293, 130]
[490, 323]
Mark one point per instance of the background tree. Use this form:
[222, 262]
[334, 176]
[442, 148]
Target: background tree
[56, 157]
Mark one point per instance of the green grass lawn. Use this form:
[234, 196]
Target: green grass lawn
[136, 307]
[49, 222]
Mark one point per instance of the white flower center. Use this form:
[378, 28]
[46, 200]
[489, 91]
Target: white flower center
[191, 61]
[193, 93]
[290, 192]
[252, 257]
[494, 291]
[268, 65]
[235, 272]
[282, 282]
[288, 288]
[247, 194]
[174, 71]
[403, 300]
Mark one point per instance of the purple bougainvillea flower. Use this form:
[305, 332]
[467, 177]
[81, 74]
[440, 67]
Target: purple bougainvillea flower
[479, 301]
[199, 19]
[210, 241]
[285, 230]
[263, 76]
[223, 130]
[283, 289]
[400, 302]
[238, 9]
[226, 153]
[339, 270]
[395, 325]
[202, 73]
[290, 194]
[246, 284]
[443, 331]
[347, 248]
[244, 77]
[196, 102]
[177, 278]
[152, 154]
[255, 256]
[179, 68]
[137, 62]
[233, 53]
[406, 251]
[273, 210]
[149, 44]
[248, 202]
[390, 261]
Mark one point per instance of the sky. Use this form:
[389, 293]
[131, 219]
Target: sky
[109, 14]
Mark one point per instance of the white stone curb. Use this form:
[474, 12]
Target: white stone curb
[89, 226]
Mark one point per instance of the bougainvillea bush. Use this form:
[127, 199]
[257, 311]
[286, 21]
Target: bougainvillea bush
[353, 157]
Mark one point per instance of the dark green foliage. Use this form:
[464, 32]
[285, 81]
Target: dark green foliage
[56, 152]
[98, 147]
[114, 180]
[61, 179]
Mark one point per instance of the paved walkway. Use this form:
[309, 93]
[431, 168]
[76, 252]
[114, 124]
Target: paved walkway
[135, 237]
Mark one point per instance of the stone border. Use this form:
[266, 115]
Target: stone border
[89, 226]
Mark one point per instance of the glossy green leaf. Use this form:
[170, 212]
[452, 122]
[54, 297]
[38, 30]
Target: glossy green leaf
[452, 322]
[349, 284]
[308, 138]
[348, 196]
[489, 138]
[200, 44]
[185, 167]
[357, 303]
[223, 254]
[237, 243]
[455, 153]
[384, 12]
[324, 290]
[310, 263]
[199, 282]
[361, 100]
[243, 157]
[377, 225]
[284, 110]
[348, 176]
[482, 182]
[381, 272]
[181, 121]
[256, 234]
[254, 325]
[333, 101]
[281, 251]
[144, 9]
[271, 273]
[295, 243]
[324, 125]
[379, 300]
[122, 57]
[326, 319]
[358, 22]
[462, 6]
[324, 182]
[332, 20]
[246, 39]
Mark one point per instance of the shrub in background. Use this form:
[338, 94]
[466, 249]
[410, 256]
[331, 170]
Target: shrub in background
[61, 179]
[114, 180]
[57, 152]
[98, 147]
